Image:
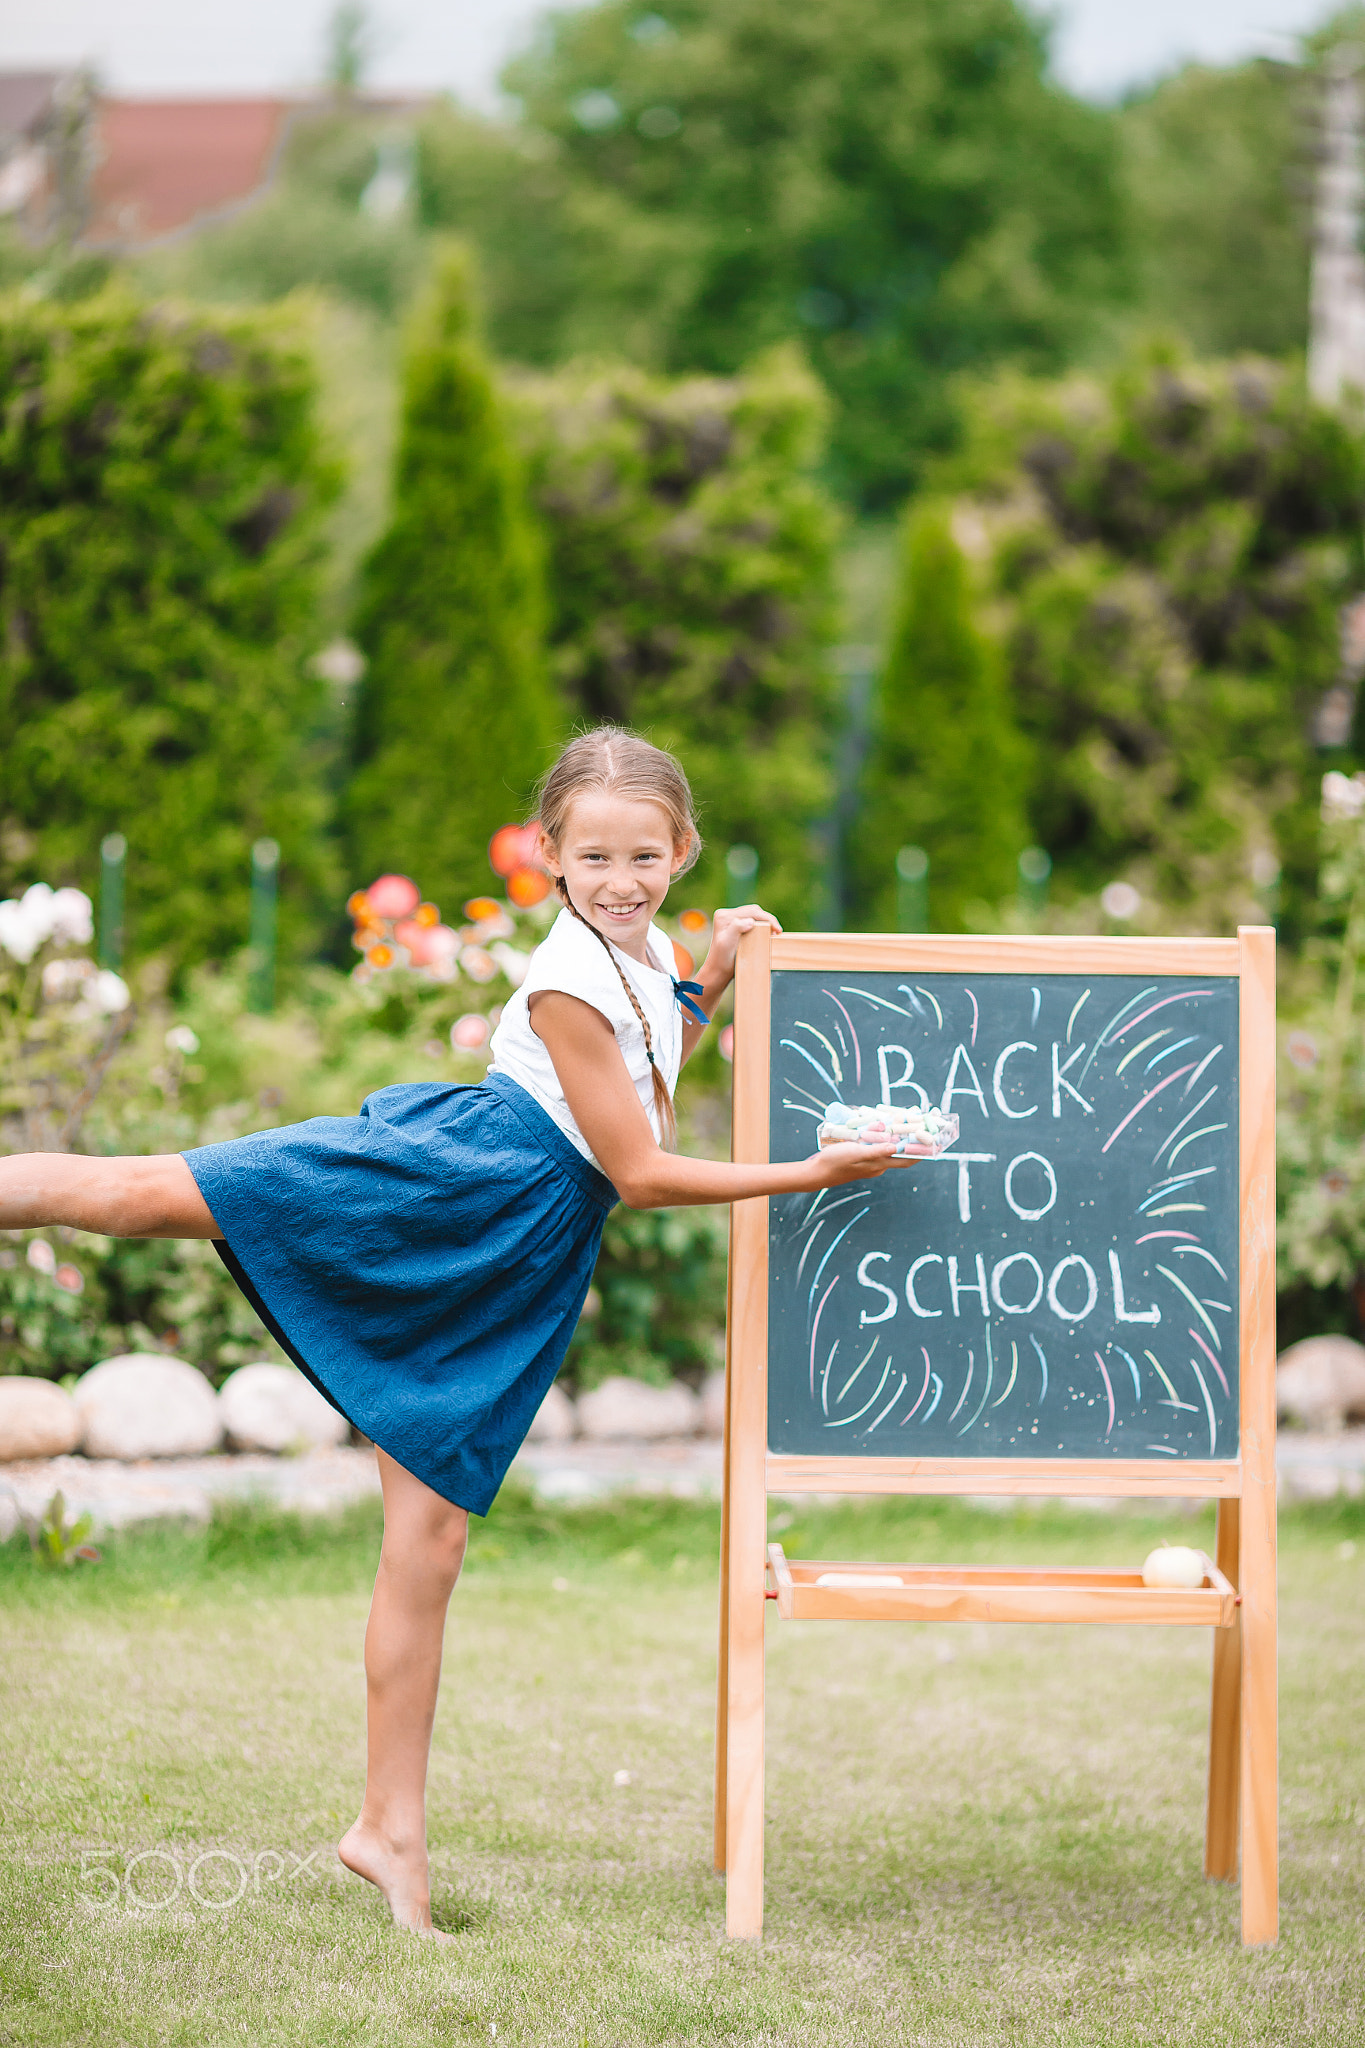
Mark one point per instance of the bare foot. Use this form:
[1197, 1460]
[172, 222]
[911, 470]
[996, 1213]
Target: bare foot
[401, 1875]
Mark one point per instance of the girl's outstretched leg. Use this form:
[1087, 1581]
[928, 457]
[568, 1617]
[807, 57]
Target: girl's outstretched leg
[156, 1196]
[423, 1549]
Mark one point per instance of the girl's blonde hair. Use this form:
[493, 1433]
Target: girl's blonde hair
[610, 759]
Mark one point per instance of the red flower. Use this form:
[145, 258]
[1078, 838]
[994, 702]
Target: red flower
[392, 896]
[513, 847]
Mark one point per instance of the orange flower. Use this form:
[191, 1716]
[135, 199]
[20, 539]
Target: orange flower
[694, 920]
[426, 914]
[480, 908]
[683, 961]
[380, 956]
[527, 886]
[359, 906]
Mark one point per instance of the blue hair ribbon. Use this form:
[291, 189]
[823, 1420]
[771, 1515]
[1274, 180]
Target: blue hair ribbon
[686, 992]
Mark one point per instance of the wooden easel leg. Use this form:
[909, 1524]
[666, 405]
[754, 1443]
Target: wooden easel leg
[723, 1647]
[1260, 1776]
[1225, 1715]
[745, 1537]
[1260, 1794]
[744, 1758]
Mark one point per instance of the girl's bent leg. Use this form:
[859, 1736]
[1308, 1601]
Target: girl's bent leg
[423, 1549]
[153, 1197]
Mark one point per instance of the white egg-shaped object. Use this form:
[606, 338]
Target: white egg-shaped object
[1173, 1564]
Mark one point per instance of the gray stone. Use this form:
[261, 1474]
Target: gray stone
[37, 1420]
[1320, 1383]
[144, 1405]
[268, 1407]
[556, 1421]
[624, 1407]
[713, 1404]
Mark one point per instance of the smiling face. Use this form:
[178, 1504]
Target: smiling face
[617, 856]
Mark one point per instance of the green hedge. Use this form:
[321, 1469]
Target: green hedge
[1165, 556]
[690, 562]
[161, 480]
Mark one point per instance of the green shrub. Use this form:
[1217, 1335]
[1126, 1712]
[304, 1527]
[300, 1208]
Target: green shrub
[456, 716]
[1165, 557]
[689, 553]
[161, 481]
[1321, 1181]
[947, 768]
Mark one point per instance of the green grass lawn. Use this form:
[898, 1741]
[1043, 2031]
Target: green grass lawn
[976, 1835]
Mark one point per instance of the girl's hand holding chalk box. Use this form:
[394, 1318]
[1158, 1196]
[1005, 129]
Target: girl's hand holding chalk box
[918, 1133]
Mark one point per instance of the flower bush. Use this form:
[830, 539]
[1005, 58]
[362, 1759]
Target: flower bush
[174, 1074]
[61, 1018]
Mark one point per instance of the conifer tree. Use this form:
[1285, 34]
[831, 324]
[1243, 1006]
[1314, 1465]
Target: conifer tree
[946, 770]
[456, 716]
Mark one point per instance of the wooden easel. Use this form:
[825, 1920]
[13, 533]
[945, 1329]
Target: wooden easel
[1238, 1597]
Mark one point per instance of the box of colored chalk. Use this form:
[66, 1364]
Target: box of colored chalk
[917, 1133]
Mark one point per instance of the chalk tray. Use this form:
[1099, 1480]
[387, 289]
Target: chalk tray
[810, 1590]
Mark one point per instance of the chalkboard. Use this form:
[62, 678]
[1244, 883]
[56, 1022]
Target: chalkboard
[1064, 1281]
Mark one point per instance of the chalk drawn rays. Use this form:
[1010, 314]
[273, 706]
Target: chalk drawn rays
[857, 1049]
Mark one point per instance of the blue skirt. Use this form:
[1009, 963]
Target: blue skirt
[424, 1263]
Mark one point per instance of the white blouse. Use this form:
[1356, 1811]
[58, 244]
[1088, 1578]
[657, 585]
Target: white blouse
[572, 961]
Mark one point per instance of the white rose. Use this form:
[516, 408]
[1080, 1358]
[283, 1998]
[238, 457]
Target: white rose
[107, 993]
[72, 916]
[25, 923]
[1343, 796]
[512, 961]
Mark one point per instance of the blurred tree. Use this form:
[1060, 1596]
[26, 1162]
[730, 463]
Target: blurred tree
[456, 715]
[570, 269]
[1215, 166]
[896, 181]
[690, 581]
[1168, 554]
[161, 482]
[948, 768]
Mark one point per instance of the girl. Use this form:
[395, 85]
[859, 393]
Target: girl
[425, 1262]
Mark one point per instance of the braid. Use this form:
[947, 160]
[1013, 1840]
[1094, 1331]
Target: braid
[663, 1101]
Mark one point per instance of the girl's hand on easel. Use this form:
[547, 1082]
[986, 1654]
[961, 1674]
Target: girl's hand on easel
[833, 1165]
[727, 929]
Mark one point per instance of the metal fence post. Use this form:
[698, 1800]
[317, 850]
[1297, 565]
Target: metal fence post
[113, 859]
[265, 869]
[741, 874]
[912, 889]
[1035, 870]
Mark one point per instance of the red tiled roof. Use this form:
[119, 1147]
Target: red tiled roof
[163, 164]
